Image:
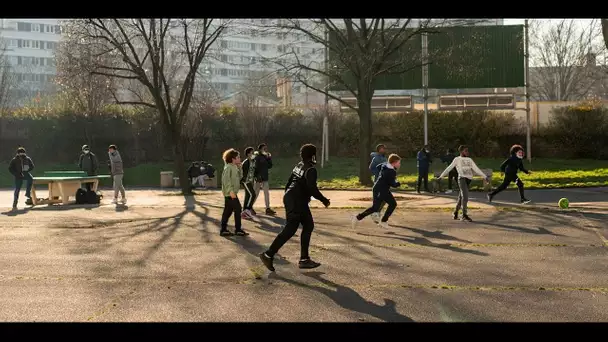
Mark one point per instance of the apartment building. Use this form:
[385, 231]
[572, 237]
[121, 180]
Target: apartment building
[250, 54]
[28, 46]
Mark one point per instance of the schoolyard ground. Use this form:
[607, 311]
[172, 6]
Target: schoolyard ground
[160, 258]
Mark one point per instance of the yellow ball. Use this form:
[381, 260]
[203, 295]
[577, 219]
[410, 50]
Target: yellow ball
[563, 203]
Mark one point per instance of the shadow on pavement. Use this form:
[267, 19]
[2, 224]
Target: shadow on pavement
[349, 299]
[438, 234]
[426, 242]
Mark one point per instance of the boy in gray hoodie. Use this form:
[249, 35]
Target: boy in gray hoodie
[378, 158]
[117, 172]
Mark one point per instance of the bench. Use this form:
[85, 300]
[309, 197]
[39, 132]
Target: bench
[63, 184]
[209, 182]
[487, 186]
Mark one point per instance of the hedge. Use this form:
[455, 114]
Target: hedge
[56, 136]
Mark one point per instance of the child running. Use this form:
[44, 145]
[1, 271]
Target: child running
[302, 184]
[510, 167]
[231, 182]
[248, 180]
[387, 178]
[378, 158]
[466, 167]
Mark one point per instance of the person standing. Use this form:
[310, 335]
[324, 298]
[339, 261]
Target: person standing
[231, 183]
[263, 163]
[382, 191]
[248, 181]
[301, 185]
[466, 167]
[21, 167]
[378, 158]
[448, 158]
[117, 171]
[423, 161]
[88, 163]
[510, 167]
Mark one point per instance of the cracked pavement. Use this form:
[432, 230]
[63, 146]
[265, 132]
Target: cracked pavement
[168, 263]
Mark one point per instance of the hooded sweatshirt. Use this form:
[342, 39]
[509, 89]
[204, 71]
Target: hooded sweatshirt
[387, 178]
[21, 165]
[377, 159]
[263, 163]
[249, 169]
[465, 167]
[88, 163]
[115, 163]
[423, 160]
[512, 165]
[301, 185]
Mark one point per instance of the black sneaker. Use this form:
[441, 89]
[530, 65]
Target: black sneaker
[270, 212]
[225, 233]
[525, 201]
[490, 197]
[308, 264]
[455, 216]
[252, 211]
[466, 218]
[267, 261]
[240, 232]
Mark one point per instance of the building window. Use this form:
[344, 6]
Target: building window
[223, 72]
[35, 44]
[224, 58]
[264, 47]
[224, 44]
[35, 27]
[57, 29]
[27, 27]
[252, 46]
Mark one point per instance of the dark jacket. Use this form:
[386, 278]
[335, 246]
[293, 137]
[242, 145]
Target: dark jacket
[88, 162]
[21, 165]
[377, 159]
[263, 163]
[249, 170]
[301, 185]
[387, 178]
[448, 158]
[512, 165]
[423, 160]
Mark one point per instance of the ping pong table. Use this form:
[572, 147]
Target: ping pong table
[63, 184]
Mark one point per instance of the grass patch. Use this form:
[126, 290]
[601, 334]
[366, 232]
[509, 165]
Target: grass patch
[341, 173]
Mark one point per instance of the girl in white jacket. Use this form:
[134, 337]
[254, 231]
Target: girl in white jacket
[465, 167]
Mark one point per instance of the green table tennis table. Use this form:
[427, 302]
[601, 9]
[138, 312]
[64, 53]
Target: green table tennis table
[63, 184]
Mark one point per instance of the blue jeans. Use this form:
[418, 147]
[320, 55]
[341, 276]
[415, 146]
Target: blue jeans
[19, 183]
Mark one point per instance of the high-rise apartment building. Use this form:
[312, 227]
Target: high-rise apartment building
[28, 45]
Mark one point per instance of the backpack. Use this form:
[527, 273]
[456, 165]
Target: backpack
[209, 169]
[93, 197]
[81, 196]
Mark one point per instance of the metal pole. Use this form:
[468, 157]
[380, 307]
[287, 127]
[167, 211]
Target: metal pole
[425, 85]
[527, 91]
[324, 147]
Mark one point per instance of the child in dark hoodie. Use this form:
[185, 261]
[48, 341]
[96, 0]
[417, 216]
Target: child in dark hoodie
[301, 185]
[20, 167]
[382, 191]
[378, 158]
[423, 162]
[510, 167]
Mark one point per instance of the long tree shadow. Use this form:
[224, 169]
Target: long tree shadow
[538, 231]
[349, 299]
[438, 234]
[426, 242]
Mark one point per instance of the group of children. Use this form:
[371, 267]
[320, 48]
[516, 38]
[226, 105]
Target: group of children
[302, 185]
[22, 165]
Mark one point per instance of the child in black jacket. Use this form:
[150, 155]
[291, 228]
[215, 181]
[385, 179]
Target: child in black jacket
[510, 167]
[382, 191]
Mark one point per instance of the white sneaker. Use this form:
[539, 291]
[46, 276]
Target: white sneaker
[353, 222]
[448, 191]
[375, 217]
[123, 201]
[384, 225]
[114, 201]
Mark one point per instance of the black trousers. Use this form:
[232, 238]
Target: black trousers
[295, 216]
[250, 195]
[423, 176]
[380, 198]
[231, 206]
[453, 175]
[505, 183]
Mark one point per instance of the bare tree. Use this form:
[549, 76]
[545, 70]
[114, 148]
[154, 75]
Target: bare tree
[162, 55]
[605, 31]
[564, 52]
[361, 52]
[7, 78]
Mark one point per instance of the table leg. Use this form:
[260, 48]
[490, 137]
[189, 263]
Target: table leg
[34, 197]
[95, 185]
[64, 197]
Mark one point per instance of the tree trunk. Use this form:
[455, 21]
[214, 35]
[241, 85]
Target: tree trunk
[365, 137]
[180, 166]
[605, 31]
